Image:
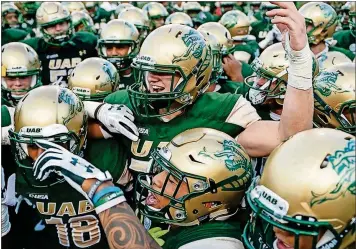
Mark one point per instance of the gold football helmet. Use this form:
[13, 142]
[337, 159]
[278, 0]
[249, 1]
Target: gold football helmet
[322, 18]
[171, 49]
[215, 168]
[18, 60]
[93, 79]
[138, 18]
[269, 82]
[221, 33]
[179, 18]
[307, 189]
[332, 58]
[237, 23]
[119, 32]
[74, 6]
[216, 56]
[121, 7]
[192, 8]
[156, 12]
[52, 113]
[9, 7]
[334, 98]
[82, 22]
[51, 13]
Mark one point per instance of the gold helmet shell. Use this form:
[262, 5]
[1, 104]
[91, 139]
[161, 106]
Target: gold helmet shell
[19, 60]
[51, 13]
[74, 6]
[9, 7]
[221, 33]
[311, 193]
[216, 169]
[156, 12]
[119, 32]
[93, 79]
[121, 7]
[179, 18]
[236, 22]
[171, 49]
[332, 58]
[81, 19]
[138, 18]
[52, 113]
[192, 8]
[334, 98]
[323, 19]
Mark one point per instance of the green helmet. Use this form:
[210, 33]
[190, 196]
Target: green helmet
[18, 60]
[51, 13]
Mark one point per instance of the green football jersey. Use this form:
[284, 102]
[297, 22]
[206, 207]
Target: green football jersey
[58, 62]
[154, 133]
[126, 81]
[247, 51]
[233, 87]
[5, 116]
[229, 231]
[69, 218]
[345, 40]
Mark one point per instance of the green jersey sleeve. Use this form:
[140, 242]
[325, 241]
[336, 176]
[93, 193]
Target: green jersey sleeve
[13, 35]
[5, 116]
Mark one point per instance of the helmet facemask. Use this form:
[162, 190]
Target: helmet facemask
[58, 39]
[274, 86]
[121, 63]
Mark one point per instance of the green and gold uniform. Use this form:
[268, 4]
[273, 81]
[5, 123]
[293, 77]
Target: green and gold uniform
[215, 234]
[58, 62]
[345, 40]
[70, 220]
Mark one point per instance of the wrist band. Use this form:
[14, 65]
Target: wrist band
[93, 189]
[107, 197]
[97, 110]
[105, 191]
[110, 204]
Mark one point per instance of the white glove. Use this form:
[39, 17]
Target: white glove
[74, 169]
[117, 119]
[268, 40]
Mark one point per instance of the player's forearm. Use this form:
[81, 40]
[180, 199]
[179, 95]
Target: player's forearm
[124, 230]
[298, 103]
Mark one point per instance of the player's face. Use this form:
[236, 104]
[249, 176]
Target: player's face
[12, 18]
[18, 84]
[286, 240]
[161, 82]
[34, 151]
[158, 22]
[158, 201]
[58, 28]
[117, 49]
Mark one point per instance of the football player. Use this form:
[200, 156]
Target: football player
[59, 50]
[347, 38]
[334, 96]
[157, 13]
[306, 201]
[173, 72]
[57, 115]
[245, 45]
[82, 22]
[138, 18]
[121, 7]
[196, 183]
[321, 20]
[234, 70]
[192, 9]
[28, 10]
[119, 44]
[74, 6]
[179, 18]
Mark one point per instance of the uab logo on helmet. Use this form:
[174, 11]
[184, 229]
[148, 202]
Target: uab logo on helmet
[195, 44]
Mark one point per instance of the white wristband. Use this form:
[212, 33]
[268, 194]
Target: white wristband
[90, 107]
[110, 204]
[300, 71]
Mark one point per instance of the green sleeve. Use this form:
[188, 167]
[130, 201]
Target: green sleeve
[234, 87]
[5, 116]
[12, 35]
[108, 154]
[246, 70]
[33, 42]
[119, 97]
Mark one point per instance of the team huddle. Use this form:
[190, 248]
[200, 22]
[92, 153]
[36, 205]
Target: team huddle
[178, 125]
